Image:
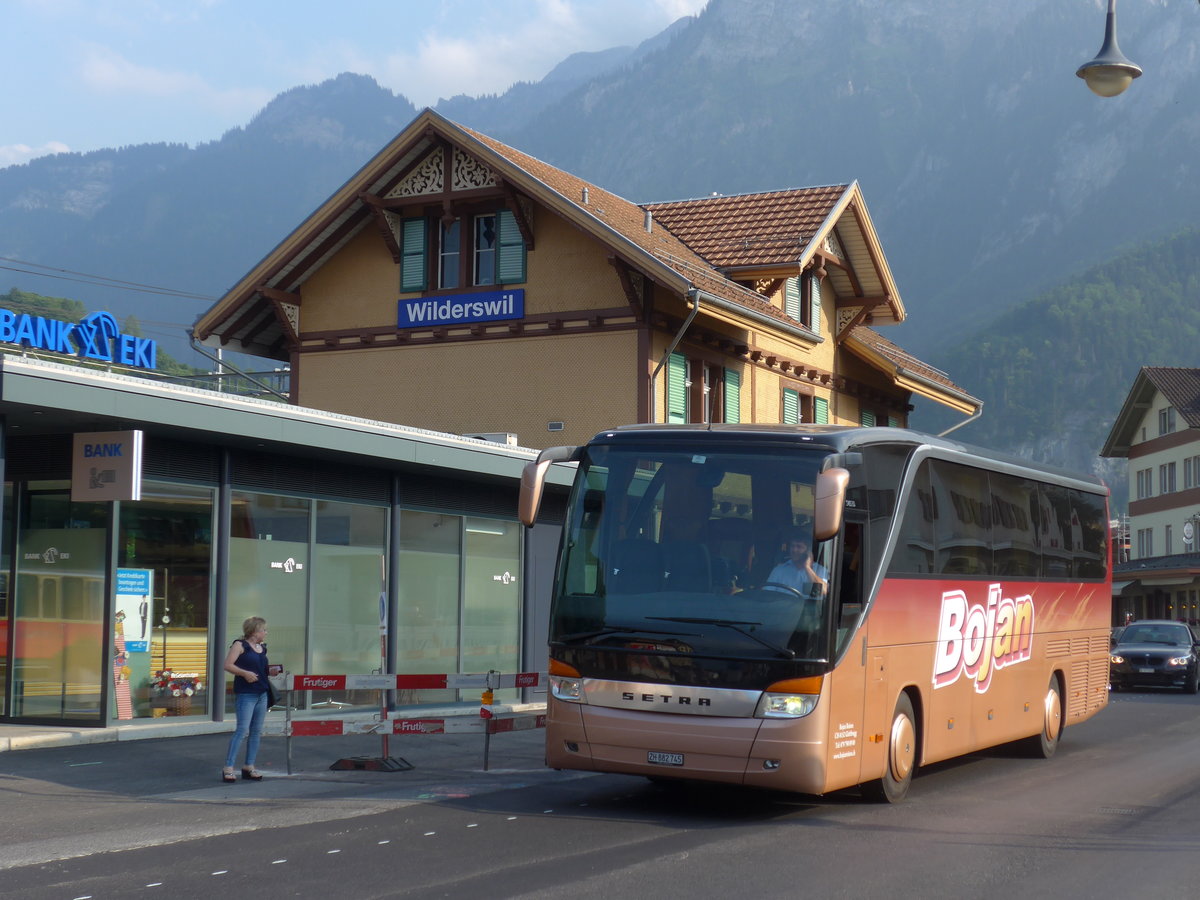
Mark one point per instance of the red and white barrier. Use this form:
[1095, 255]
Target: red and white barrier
[487, 723]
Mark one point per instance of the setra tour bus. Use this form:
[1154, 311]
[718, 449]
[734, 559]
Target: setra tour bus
[809, 608]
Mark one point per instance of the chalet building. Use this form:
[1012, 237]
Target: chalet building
[463, 286]
[1158, 432]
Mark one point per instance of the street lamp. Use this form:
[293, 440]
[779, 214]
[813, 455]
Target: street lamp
[1110, 72]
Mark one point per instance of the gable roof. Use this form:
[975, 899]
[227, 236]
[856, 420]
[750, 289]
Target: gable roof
[744, 234]
[1180, 387]
[907, 371]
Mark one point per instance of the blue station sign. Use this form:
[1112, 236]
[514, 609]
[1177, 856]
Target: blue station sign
[97, 336]
[462, 309]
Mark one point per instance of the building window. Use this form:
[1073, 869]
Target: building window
[791, 298]
[1145, 543]
[1166, 420]
[1166, 478]
[820, 410]
[866, 418]
[449, 246]
[491, 252]
[677, 388]
[1191, 472]
[485, 249]
[1145, 483]
[1168, 549]
[733, 396]
[791, 407]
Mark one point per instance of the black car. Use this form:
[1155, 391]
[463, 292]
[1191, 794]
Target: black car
[1156, 652]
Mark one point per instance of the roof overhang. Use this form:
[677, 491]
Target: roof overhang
[915, 382]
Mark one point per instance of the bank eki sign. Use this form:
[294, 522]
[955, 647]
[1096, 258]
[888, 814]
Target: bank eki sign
[462, 309]
[97, 336]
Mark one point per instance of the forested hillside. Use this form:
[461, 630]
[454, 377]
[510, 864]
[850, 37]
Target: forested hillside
[1054, 371]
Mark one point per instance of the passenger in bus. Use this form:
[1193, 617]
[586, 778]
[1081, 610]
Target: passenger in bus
[798, 571]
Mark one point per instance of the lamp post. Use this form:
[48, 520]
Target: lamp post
[1110, 73]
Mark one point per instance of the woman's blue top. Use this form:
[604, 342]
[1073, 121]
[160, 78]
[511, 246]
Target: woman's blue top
[251, 662]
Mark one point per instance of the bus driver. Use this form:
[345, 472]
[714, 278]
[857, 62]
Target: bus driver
[799, 571]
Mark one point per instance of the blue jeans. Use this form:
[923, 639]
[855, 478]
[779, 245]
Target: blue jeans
[251, 711]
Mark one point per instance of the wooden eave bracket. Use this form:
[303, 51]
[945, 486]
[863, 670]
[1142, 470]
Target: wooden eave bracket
[378, 208]
[631, 294]
[858, 319]
[513, 201]
[826, 258]
[286, 307]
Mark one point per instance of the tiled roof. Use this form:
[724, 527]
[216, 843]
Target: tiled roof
[873, 340]
[770, 228]
[1181, 387]
[628, 219]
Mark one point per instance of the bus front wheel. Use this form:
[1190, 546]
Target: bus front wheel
[1043, 744]
[901, 756]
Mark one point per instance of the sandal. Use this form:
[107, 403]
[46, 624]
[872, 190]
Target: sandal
[250, 775]
[227, 776]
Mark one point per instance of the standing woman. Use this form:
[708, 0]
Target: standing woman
[247, 662]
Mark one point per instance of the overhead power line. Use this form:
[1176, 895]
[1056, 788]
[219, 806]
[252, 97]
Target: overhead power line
[97, 280]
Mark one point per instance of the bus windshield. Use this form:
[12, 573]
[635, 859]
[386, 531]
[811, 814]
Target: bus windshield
[700, 553]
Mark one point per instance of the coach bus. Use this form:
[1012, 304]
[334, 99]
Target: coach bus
[810, 608]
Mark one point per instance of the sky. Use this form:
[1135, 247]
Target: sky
[80, 75]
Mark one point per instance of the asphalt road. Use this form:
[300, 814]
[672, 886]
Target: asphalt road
[1115, 813]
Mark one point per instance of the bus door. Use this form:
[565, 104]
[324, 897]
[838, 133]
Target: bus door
[856, 684]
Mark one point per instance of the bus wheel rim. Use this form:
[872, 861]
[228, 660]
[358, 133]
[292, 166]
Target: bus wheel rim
[903, 747]
[1053, 714]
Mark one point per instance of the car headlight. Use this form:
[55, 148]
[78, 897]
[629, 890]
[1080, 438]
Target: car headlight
[567, 689]
[1179, 661]
[1116, 660]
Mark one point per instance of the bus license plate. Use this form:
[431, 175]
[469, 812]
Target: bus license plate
[664, 759]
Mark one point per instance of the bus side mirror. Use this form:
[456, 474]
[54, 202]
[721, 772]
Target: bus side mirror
[533, 481]
[830, 499]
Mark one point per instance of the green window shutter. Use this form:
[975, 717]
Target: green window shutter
[510, 249]
[893, 421]
[814, 302]
[677, 388]
[791, 298]
[791, 407]
[414, 271]
[820, 410]
[867, 418]
[733, 396]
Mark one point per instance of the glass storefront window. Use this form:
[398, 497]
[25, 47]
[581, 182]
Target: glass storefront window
[162, 591]
[268, 576]
[59, 642]
[491, 633]
[429, 569]
[6, 531]
[348, 580]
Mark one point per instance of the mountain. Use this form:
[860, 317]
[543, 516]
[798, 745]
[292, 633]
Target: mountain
[992, 174]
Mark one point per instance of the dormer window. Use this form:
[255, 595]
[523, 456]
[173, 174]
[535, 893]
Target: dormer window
[485, 249]
[1166, 420]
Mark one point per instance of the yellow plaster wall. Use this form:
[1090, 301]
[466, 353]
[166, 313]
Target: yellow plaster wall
[356, 288]
[588, 382]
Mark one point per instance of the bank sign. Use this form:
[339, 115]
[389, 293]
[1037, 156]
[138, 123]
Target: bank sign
[97, 336]
[462, 309]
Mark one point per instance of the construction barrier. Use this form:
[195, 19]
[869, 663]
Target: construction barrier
[486, 723]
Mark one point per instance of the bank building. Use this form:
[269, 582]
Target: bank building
[454, 307]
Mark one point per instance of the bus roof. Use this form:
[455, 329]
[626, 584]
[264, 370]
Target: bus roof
[842, 439]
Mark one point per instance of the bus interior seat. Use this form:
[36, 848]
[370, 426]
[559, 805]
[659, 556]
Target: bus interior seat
[635, 567]
[686, 566]
[730, 544]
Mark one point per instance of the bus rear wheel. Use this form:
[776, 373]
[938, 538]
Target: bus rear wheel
[1043, 744]
[901, 756]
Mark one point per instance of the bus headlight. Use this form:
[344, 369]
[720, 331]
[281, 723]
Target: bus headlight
[567, 689]
[786, 706]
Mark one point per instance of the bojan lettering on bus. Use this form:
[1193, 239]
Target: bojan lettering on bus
[977, 638]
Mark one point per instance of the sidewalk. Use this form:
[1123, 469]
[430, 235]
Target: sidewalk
[34, 737]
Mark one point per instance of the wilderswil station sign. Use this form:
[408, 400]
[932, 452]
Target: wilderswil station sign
[97, 337]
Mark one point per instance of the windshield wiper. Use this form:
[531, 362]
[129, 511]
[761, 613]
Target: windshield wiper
[728, 623]
[578, 636]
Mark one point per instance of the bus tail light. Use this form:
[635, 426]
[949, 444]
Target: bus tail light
[790, 699]
[566, 683]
